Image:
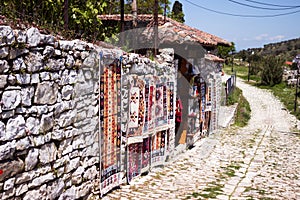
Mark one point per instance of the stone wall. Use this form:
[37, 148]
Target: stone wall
[49, 111]
[49, 141]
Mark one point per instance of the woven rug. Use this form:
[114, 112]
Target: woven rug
[161, 107]
[136, 108]
[110, 100]
[147, 94]
[170, 101]
[203, 101]
[134, 164]
[151, 108]
[158, 148]
[146, 153]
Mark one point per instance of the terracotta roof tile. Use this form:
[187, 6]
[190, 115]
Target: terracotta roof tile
[214, 58]
[180, 32]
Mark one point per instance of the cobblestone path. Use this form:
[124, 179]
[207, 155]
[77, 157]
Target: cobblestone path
[260, 161]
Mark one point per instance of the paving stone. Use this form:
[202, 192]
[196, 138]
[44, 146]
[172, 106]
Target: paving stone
[269, 169]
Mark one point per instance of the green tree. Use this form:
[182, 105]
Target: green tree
[146, 6]
[85, 20]
[255, 62]
[272, 70]
[177, 12]
[50, 14]
[224, 51]
[242, 54]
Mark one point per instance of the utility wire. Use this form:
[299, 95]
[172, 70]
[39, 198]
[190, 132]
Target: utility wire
[240, 15]
[264, 8]
[269, 4]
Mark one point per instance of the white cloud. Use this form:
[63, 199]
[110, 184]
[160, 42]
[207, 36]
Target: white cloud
[277, 37]
[261, 37]
[266, 37]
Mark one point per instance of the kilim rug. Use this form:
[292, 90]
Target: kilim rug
[147, 112]
[158, 148]
[146, 153]
[110, 100]
[161, 107]
[134, 163]
[136, 108]
[203, 101]
[151, 108]
[170, 102]
[168, 146]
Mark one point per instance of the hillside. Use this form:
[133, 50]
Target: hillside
[286, 49]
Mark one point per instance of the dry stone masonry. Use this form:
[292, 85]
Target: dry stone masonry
[49, 111]
[77, 119]
[49, 146]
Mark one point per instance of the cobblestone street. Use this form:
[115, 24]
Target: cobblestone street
[260, 161]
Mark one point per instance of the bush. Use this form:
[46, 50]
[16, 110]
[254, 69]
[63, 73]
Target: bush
[272, 71]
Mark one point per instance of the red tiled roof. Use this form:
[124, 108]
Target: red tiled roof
[214, 58]
[172, 30]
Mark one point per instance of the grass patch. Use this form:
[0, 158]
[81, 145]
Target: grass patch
[252, 141]
[234, 97]
[212, 191]
[242, 72]
[234, 166]
[261, 192]
[243, 112]
[229, 172]
[158, 176]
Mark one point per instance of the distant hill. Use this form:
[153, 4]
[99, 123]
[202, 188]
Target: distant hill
[286, 49]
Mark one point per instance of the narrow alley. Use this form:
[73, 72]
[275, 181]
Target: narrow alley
[259, 161]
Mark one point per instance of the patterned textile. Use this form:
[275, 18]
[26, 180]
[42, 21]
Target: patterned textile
[136, 108]
[146, 154]
[161, 105]
[158, 148]
[170, 142]
[203, 101]
[170, 102]
[151, 108]
[147, 94]
[134, 160]
[110, 100]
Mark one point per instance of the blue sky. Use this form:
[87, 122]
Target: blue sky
[245, 32]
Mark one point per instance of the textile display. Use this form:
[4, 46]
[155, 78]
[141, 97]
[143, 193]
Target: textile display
[170, 100]
[134, 160]
[110, 100]
[167, 145]
[146, 154]
[158, 148]
[203, 100]
[147, 90]
[136, 108]
[149, 103]
[125, 108]
[151, 108]
[161, 105]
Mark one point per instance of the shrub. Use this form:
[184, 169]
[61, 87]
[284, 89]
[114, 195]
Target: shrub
[272, 71]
